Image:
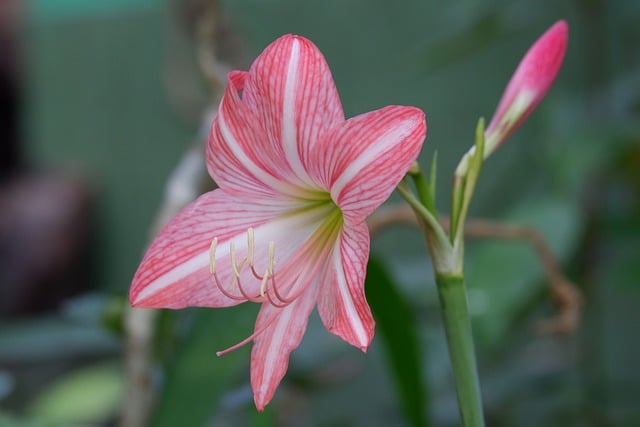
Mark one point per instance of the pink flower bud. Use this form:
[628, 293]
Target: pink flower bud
[531, 81]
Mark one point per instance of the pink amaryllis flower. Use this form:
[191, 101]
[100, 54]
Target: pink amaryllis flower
[528, 85]
[286, 227]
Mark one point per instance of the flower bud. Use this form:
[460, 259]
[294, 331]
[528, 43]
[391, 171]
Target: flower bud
[529, 84]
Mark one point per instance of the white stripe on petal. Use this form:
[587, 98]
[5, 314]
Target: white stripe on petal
[172, 276]
[250, 165]
[345, 297]
[385, 142]
[289, 128]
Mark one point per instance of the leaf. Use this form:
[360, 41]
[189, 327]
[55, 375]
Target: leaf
[86, 396]
[396, 326]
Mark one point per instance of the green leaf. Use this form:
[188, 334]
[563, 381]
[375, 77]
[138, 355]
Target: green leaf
[396, 325]
[196, 378]
[86, 396]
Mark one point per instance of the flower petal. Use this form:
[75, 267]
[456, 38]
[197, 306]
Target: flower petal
[271, 348]
[364, 159]
[174, 272]
[342, 304]
[291, 89]
[235, 146]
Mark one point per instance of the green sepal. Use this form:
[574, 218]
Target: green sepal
[464, 186]
[425, 188]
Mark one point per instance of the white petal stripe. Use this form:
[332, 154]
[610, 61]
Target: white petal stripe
[172, 276]
[381, 145]
[241, 156]
[345, 296]
[289, 128]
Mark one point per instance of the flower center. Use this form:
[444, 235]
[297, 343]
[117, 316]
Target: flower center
[297, 271]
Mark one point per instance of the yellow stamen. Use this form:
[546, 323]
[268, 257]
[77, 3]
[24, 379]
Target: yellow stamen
[269, 269]
[263, 283]
[236, 274]
[250, 246]
[236, 267]
[270, 266]
[271, 257]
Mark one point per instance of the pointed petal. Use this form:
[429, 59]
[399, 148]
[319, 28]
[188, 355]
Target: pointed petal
[292, 91]
[342, 304]
[236, 145]
[529, 84]
[174, 272]
[364, 159]
[271, 348]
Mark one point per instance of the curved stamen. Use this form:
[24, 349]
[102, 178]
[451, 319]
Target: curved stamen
[236, 274]
[225, 293]
[235, 267]
[235, 282]
[274, 302]
[275, 289]
[271, 257]
[301, 288]
[244, 294]
[250, 246]
[270, 290]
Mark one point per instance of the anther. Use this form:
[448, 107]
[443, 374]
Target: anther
[236, 275]
[212, 256]
[263, 284]
[271, 257]
[270, 266]
[232, 254]
[250, 245]
[235, 267]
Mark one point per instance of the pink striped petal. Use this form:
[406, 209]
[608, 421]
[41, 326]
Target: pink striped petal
[364, 159]
[174, 272]
[270, 354]
[292, 92]
[342, 304]
[236, 147]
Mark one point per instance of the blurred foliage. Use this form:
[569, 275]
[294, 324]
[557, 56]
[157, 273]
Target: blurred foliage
[113, 93]
[396, 325]
[197, 381]
[89, 395]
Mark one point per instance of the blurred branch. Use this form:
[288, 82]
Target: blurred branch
[183, 186]
[212, 70]
[565, 293]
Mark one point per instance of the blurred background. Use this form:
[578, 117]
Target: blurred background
[99, 101]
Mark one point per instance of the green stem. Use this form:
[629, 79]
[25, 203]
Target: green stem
[455, 312]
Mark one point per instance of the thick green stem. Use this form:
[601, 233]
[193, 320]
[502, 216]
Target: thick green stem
[455, 312]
